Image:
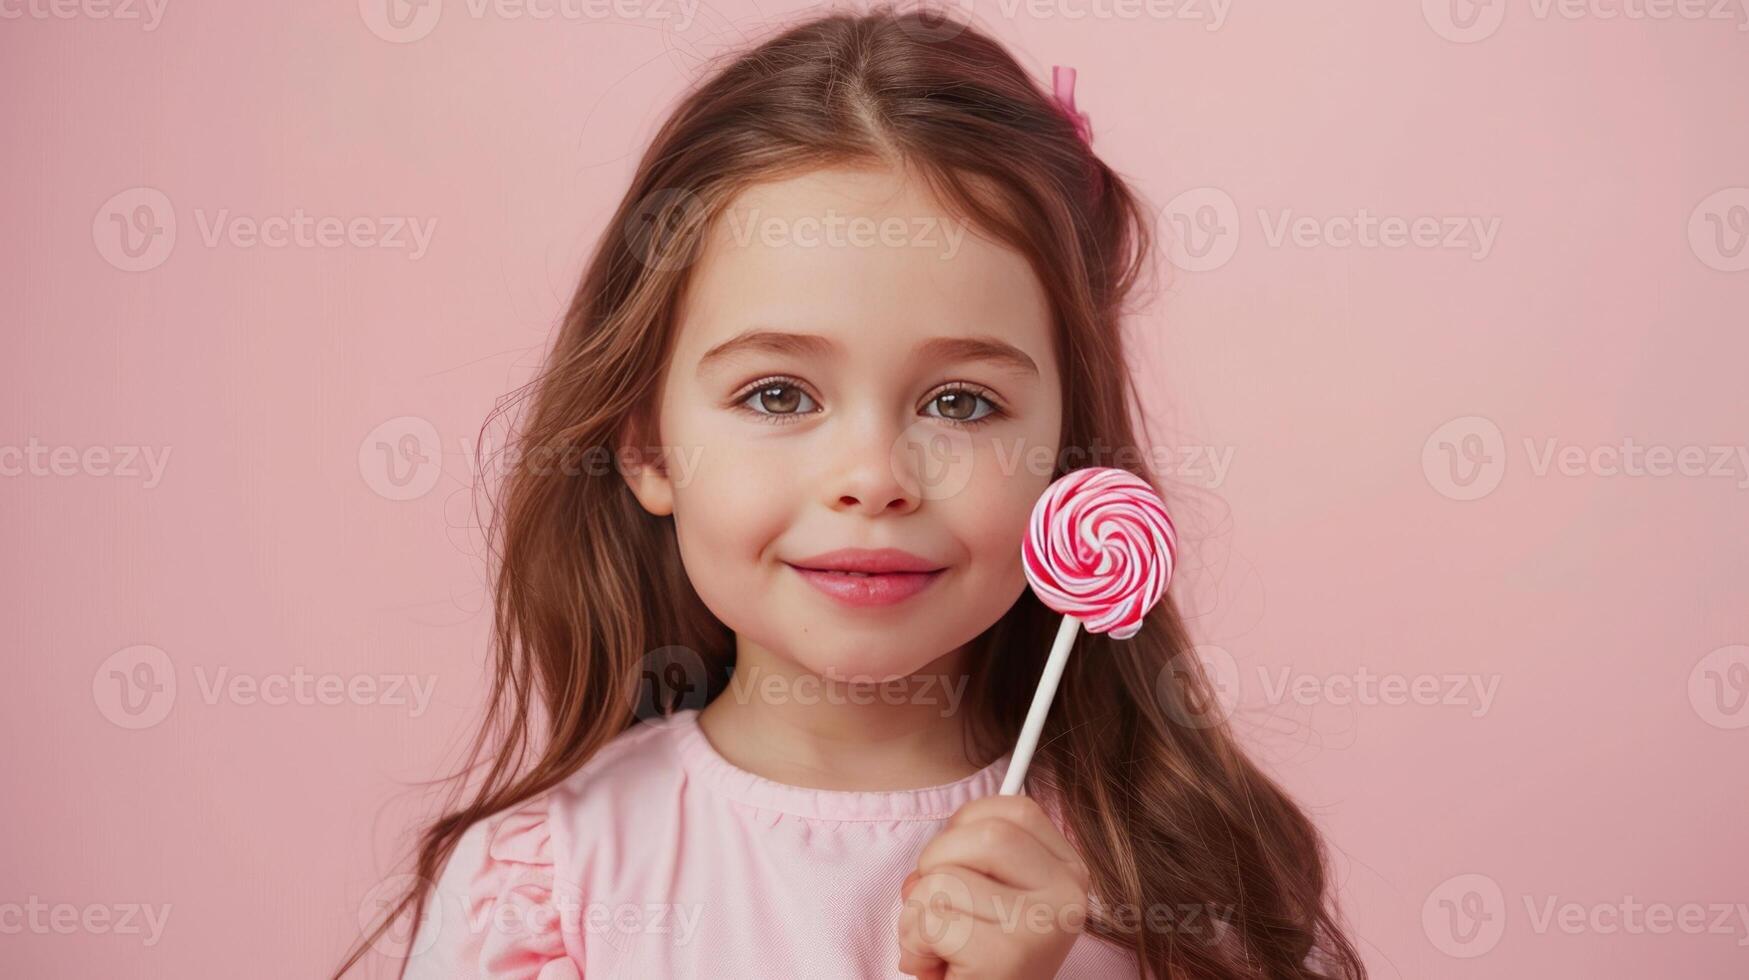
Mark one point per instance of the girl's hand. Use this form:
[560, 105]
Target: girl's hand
[999, 894]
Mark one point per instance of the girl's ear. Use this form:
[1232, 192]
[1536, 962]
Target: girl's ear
[645, 469]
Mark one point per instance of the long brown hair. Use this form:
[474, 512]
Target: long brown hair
[1202, 865]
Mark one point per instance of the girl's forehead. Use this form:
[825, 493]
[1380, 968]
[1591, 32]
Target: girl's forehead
[865, 256]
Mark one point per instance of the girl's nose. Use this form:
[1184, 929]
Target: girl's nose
[869, 479]
[871, 504]
[873, 495]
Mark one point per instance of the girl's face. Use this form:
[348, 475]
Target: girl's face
[855, 368]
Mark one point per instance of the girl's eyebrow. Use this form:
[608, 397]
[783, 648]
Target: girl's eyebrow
[937, 349]
[768, 342]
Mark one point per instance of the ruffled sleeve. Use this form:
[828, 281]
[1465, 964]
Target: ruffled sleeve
[492, 913]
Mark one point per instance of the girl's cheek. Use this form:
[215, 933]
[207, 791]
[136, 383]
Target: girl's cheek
[738, 487]
[1008, 483]
[734, 466]
[990, 513]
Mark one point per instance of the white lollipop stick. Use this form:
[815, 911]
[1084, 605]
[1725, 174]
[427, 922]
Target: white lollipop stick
[1041, 706]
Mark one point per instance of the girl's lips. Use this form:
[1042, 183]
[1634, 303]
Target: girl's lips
[868, 590]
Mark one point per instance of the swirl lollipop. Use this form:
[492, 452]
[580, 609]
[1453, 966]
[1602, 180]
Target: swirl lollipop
[1099, 549]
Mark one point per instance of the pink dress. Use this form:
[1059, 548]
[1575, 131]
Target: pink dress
[660, 858]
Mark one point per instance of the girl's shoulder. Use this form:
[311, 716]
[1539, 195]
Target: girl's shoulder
[631, 785]
[501, 896]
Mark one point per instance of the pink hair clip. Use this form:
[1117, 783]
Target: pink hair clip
[1063, 81]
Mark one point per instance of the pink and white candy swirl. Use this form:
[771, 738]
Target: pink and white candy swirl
[1100, 547]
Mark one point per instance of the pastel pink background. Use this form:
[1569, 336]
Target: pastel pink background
[1609, 766]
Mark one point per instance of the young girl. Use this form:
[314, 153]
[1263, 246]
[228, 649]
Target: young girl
[764, 640]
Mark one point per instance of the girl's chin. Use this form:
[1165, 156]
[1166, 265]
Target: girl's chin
[865, 669]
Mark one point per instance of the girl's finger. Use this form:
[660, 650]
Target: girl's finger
[916, 957]
[922, 966]
[1026, 812]
[940, 924]
[946, 907]
[998, 848]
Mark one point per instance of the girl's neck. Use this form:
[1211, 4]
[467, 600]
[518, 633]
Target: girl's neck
[782, 722]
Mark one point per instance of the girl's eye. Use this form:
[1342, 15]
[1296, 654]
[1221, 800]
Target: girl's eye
[781, 400]
[776, 398]
[959, 405]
